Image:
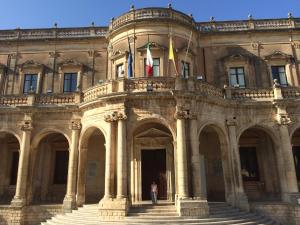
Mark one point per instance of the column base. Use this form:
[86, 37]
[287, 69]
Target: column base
[190, 208]
[291, 197]
[18, 202]
[16, 212]
[111, 209]
[69, 204]
[239, 200]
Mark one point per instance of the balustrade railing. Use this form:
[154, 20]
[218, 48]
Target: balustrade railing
[252, 94]
[28, 34]
[13, 100]
[152, 84]
[291, 92]
[56, 99]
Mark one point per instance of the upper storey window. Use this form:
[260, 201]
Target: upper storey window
[237, 77]
[156, 67]
[30, 83]
[70, 82]
[120, 70]
[278, 73]
[185, 69]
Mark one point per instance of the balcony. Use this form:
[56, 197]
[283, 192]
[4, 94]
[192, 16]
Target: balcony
[168, 86]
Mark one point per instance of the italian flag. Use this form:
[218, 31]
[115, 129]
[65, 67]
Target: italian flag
[149, 62]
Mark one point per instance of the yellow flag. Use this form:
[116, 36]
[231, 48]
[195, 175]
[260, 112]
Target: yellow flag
[171, 51]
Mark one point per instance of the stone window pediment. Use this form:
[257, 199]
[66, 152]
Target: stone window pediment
[31, 65]
[70, 63]
[153, 132]
[185, 49]
[279, 56]
[118, 55]
[236, 58]
[153, 46]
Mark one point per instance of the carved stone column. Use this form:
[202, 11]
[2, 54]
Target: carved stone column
[183, 190]
[109, 176]
[121, 158]
[19, 199]
[290, 182]
[80, 199]
[239, 197]
[70, 198]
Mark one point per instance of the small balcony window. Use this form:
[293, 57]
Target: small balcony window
[278, 73]
[120, 70]
[70, 82]
[185, 69]
[156, 67]
[237, 77]
[30, 83]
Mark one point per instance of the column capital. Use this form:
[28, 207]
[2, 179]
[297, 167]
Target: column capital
[283, 120]
[115, 116]
[184, 115]
[231, 122]
[26, 125]
[75, 125]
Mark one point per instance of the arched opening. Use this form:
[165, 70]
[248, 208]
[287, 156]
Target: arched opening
[210, 150]
[152, 159]
[296, 153]
[9, 161]
[91, 177]
[258, 165]
[51, 169]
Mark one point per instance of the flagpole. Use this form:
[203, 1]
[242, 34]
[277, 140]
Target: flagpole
[188, 48]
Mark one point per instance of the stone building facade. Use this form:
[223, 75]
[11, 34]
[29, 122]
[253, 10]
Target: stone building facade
[75, 130]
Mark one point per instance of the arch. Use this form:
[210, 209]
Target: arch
[91, 167]
[154, 119]
[151, 140]
[49, 167]
[265, 128]
[43, 133]
[215, 161]
[9, 163]
[86, 132]
[259, 149]
[294, 128]
[295, 142]
[12, 132]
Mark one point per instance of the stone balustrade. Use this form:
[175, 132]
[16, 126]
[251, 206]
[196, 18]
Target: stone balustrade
[13, 100]
[153, 85]
[257, 94]
[60, 33]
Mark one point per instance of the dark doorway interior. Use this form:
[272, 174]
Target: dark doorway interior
[154, 169]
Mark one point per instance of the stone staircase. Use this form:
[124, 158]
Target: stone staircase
[163, 213]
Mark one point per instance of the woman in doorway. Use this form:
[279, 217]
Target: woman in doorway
[154, 192]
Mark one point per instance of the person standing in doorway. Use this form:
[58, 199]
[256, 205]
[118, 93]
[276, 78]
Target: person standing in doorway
[154, 192]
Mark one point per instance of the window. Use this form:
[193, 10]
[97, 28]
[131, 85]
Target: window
[61, 167]
[70, 82]
[120, 70]
[156, 67]
[296, 151]
[185, 69]
[278, 72]
[30, 83]
[237, 77]
[14, 168]
[249, 164]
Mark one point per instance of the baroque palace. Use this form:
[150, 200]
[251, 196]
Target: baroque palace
[78, 128]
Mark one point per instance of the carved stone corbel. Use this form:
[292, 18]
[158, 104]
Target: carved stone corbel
[75, 125]
[26, 125]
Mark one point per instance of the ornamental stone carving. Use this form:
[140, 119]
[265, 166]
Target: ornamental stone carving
[112, 117]
[284, 119]
[184, 115]
[26, 125]
[75, 125]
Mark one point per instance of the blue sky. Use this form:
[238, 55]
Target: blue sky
[70, 13]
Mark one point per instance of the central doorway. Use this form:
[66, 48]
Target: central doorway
[154, 169]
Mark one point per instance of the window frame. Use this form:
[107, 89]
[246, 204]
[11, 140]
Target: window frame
[184, 69]
[278, 77]
[158, 66]
[237, 76]
[31, 75]
[70, 89]
[122, 71]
